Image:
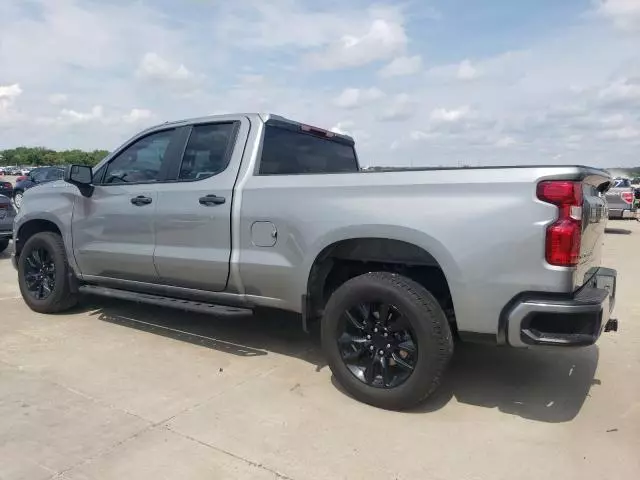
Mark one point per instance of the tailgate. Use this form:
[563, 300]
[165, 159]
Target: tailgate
[594, 219]
[614, 198]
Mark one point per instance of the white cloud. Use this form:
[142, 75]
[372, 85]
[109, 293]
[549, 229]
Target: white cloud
[625, 14]
[137, 115]
[8, 94]
[343, 128]
[624, 133]
[623, 90]
[58, 99]
[154, 67]
[504, 142]
[466, 71]
[382, 40]
[355, 97]
[401, 107]
[419, 135]
[402, 66]
[73, 116]
[443, 115]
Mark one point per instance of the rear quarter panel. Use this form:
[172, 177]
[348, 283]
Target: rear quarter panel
[485, 227]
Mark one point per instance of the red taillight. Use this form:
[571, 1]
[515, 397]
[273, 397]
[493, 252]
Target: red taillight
[564, 235]
[627, 197]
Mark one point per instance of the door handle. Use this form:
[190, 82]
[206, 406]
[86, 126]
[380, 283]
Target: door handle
[141, 200]
[212, 200]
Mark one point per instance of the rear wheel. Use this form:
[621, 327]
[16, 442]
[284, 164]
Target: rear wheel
[387, 340]
[4, 243]
[44, 274]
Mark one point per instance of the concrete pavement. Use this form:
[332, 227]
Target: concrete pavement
[115, 390]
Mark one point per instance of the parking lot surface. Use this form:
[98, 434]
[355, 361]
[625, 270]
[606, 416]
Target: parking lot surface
[115, 390]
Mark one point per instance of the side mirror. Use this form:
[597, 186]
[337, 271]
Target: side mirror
[82, 177]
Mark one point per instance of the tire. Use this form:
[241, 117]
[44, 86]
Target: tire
[17, 198]
[61, 297]
[4, 243]
[414, 307]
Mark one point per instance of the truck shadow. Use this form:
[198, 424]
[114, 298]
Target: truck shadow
[546, 385]
[542, 385]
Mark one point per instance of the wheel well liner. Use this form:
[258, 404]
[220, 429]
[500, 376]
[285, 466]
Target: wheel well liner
[30, 228]
[346, 259]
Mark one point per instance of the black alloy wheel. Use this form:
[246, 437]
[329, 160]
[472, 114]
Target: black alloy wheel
[40, 273]
[377, 344]
[387, 340]
[46, 281]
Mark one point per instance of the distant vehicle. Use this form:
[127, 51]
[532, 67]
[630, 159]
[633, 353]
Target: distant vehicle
[621, 199]
[35, 177]
[6, 188]
[7, 214]
[24, 171]
[230, 213]
[2, 171]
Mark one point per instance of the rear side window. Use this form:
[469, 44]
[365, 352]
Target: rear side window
[291, 152]
[208, 151]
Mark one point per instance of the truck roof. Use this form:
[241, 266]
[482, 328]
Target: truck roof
[264, 116]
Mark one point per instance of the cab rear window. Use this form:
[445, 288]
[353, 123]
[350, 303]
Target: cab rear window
[287, 151]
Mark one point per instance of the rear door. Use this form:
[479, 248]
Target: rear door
[193, 216]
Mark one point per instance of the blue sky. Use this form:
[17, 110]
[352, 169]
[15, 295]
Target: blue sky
[415, 82]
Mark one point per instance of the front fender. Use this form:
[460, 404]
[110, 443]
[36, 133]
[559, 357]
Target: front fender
[50, 203]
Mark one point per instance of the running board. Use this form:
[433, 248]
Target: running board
[176, 303]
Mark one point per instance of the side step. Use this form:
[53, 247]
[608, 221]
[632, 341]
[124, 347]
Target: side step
[198, 307]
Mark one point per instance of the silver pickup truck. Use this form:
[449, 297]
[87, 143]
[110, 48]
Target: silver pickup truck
[621, 199]
[228, 213]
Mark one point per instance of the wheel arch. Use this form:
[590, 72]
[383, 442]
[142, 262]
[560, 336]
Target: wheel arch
[390, 249]
[29, 228]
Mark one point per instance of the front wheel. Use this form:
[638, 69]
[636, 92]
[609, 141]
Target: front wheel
[17, 198]
[44, 275]
[387, 340]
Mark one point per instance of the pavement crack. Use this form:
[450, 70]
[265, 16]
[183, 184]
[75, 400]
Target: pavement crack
[103, 452]
[259, 465]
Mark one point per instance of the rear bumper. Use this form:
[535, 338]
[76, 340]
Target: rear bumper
[623, 213]
[576, 320]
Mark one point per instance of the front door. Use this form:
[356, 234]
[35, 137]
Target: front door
[193, 220]
[113, 230]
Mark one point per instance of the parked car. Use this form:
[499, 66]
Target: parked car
[621, 199]
[2, 172]
[7, 214]
[36, 177]
[236, 212]
[6, 188]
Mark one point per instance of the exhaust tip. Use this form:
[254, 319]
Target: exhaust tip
[611, 325]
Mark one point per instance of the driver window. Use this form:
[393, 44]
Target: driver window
[141, 161]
